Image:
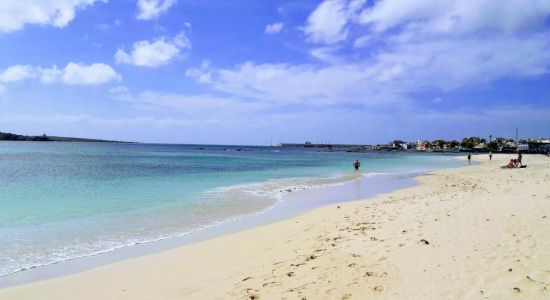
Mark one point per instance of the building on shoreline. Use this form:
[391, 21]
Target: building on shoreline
[470, 144]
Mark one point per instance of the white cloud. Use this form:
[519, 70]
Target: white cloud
[274, 28]
[151, 9]
[94, 74]
[202, 74]
[156, 53]
[448, 64]
[50, 75]
[73, 74]
[17, 73]
[456, 17]
[285, 83]
[14, 14]
[388, 76]
[451, 44]
[330, 22]
[327, 54]
[387, 58]
[327, 23]
[362, 41]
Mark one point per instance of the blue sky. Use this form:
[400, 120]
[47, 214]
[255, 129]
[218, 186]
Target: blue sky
[248, 72]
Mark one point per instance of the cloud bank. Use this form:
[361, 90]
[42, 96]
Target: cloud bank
[382, 53]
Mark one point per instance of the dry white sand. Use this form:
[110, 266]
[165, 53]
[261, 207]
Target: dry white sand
[470, 233]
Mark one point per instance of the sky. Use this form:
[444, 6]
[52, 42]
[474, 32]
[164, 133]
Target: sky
[260, 72]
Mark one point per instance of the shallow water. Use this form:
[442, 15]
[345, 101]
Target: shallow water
[60, 201]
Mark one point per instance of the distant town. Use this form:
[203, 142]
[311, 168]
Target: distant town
[469, 144]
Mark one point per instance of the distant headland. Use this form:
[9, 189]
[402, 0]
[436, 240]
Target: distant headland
[5, 136]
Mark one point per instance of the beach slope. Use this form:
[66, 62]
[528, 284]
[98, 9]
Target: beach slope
[473, 232]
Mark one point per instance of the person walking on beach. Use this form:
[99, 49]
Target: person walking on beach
[490, 155]
[469, 157]
[356, 164]
[519, 158]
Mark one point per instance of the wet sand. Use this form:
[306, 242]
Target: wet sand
[473, 232]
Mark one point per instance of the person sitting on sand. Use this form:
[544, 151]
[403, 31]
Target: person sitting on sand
[510, 165]
[356, 165]
[514, 163]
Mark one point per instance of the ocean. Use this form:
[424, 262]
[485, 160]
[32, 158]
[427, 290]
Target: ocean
[61, 201]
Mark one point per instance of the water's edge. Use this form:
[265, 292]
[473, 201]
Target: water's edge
[291, 205]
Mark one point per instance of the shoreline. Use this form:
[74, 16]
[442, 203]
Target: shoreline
[364, 247]
[366, 185]
[159, 207]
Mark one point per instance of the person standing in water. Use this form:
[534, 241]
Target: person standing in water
[356, 164]
[469, 157]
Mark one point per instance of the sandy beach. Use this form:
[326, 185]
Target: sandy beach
[470, 233]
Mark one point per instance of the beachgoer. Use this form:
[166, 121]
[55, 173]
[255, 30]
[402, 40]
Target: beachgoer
[514, 163]
[356, 164]
[469, 158]
[519, 158]
[490, 155]
[510, 165]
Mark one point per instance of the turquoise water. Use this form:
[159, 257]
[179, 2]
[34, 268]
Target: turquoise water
[60, 201]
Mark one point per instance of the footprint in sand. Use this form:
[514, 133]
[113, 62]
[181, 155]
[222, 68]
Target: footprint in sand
[269, 283]
[311, 257]
[369, 274]
[378, 288]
